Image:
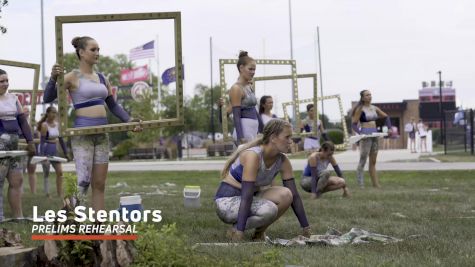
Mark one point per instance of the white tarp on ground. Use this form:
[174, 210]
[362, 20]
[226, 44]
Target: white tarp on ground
[335, 238]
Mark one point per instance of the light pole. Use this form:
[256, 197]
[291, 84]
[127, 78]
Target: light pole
[441, 109]
[211, 86]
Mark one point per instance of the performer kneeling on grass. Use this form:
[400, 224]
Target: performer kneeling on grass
[316, 179]
[12, 120]
[48, 127]
[241, 199]
[367, 114]
[89, 90]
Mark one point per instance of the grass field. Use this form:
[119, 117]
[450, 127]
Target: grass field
[438, 227]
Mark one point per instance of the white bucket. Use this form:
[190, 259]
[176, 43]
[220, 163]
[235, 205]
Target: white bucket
[191, 196]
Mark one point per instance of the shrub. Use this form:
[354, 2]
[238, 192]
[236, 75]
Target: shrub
[335, 135]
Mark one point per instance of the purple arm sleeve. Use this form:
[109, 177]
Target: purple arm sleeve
[314, 181]
[63, 146]
[297, 204]
[42, 145]
[50, 93]
[388, 122]
[325, 136]
[220, 115]
[247, 192]
[355, 128]
[25, 127]
[237, 122]
[116, 109]
[338, 170]
[261, 123]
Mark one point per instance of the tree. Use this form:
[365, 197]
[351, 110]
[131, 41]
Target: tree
[3, 3]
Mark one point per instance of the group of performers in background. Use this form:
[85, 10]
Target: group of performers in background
[247, 197]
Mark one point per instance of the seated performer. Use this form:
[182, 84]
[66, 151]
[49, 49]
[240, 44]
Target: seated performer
[246, 197]
[316, 179]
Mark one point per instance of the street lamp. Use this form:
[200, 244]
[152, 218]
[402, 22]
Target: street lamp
[440, 109]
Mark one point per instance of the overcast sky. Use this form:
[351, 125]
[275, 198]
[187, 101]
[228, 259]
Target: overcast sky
[388, 46]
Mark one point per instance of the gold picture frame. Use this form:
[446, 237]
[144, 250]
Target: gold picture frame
[34, 88]
[313, 76]
[118, 127]
[222, 79]
[344, 145]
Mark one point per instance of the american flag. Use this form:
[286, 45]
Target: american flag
[144, 51]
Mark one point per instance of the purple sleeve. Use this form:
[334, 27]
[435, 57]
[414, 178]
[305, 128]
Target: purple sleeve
[355, 128]
[261, 123]
[314, 181]
[42, 145]
[297, 204]
[63, 146]
[338, 171]
[237, 123]
[50, 93]
[388, 122]
[25, 127]
[247, 192]
[117, 109]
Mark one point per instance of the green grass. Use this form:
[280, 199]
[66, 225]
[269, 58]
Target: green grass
[439, 228]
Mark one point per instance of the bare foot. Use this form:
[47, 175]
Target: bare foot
[234, 235]
[313, 196]
[346, 193]
[259, 236]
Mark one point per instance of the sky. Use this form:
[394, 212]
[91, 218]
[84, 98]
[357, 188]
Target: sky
[389, 47]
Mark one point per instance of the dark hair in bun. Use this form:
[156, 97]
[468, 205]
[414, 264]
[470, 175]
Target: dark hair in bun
[244, 59]
[2, 72]
[80, 43]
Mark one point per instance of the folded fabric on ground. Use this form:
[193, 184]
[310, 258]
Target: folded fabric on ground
[334, 238]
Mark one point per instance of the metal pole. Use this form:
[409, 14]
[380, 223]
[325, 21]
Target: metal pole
[440, 108]
[472, 136]
[43, 73]
[159, 89]
[211, 86]
[290, 27]
[320, 74]
[294, 109]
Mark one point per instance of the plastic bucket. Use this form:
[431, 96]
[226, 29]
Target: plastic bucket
[131, 203]
[191, 196]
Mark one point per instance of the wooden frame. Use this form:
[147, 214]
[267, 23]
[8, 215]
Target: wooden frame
[310, 100]
[223, 62]
[33, 90]
[299, 76]
[62, 94]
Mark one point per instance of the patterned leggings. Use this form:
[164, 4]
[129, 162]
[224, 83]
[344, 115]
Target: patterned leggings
[263, 212]
[89, 150]
[322, 181]
[8, 165]
[367, 146]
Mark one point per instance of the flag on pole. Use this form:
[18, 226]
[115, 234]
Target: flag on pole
[169, 75]
[144, 51]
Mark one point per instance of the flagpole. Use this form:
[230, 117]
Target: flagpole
[158, 78]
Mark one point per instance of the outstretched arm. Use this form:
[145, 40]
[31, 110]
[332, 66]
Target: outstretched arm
[297, 204]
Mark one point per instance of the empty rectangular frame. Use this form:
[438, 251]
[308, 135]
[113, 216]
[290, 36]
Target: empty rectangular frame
[312, 100]
[293, 76]
[118, 127]
[33, 90]
[299, 76]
